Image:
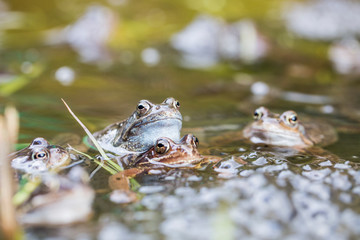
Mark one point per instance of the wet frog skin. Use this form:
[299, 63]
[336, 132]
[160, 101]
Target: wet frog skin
[59, 200]
[39, 156]
[166, 153]
[141, 130]
[286, 130]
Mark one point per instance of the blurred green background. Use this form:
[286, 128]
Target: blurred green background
[220, 59]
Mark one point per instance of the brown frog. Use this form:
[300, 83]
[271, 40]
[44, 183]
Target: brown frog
[59, 200]
[39, 156]
[166, 153]
[287, 130]
[141, 130]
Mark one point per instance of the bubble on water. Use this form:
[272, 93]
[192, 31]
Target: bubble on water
[273, 168]
[65, 75]
[327, 109]
[187, 118]
[184, 191]
[120, 197]
[169, 178]
[241, 149]
[266, 229]
[194, 178]
[306, 167]
[313, 212]
[150, 56]
[345, 198]
[251, 155]
[116, 231]
[113, 231]
[260, 88]
[356, 175]
[151, 189]
[155, 171]
[228, 168]
[339, 181]
[260, 161]
[327, 163]
[351, 221]
[342, 166]
[283, 177]
[320, 190]
[152, 202]
[246, 173]
[356, 190]
[317, 174]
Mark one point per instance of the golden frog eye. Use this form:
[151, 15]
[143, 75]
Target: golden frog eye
[290, 118]
[142, 108]
[162, 146]
[39, 155]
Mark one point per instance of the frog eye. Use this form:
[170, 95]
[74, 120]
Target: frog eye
[39, 155]
[172, 102]
[258, 114]
[162, 146]
[290, 118]
[142, 108]
[261, 112]
[196, 141]
[39, 142]
[177, 104]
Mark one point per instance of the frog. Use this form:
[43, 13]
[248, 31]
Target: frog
[145, 125]
[287, 130]
[165, 154]
[59, 200]
[39, 156]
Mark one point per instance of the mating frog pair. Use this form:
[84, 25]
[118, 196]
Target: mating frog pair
[152, 127]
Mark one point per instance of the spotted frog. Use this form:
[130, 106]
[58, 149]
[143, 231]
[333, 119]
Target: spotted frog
[287, 130]
[141, 130]
[39, 156]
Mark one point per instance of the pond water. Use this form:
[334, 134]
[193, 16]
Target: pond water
[221, 60]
